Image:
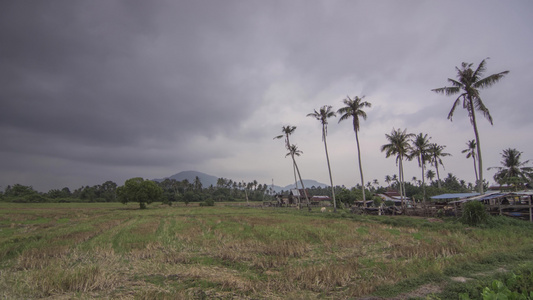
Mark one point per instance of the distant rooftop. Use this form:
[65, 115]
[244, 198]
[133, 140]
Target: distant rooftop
[454, 196]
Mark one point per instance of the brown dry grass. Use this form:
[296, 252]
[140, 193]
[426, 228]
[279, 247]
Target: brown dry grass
[228, 253]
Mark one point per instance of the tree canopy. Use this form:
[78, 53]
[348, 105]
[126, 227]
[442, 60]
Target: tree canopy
[139, 190]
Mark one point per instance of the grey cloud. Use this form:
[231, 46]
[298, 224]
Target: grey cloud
[137, 84]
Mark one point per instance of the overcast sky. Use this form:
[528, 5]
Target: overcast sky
[92, 91]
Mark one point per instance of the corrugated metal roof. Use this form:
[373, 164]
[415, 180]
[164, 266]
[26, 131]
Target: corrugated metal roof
[455, 196]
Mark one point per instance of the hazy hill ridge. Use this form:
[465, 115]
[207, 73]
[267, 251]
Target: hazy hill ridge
[208, 180]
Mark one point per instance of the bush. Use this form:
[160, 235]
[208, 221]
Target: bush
[515, 286]
[208, 202]
[474, 213]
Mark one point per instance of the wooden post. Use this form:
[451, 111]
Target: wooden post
[530, 209]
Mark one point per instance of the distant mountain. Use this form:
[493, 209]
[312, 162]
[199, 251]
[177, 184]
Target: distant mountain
[307, 182]
[206, 179]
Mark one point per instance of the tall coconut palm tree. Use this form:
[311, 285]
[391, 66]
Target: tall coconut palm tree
[323, 115]
[513, 172]
[471, 152]
[436, 152]
[467, 85]
[287, 131]
[398, 145]
[354, 109]
[420, 149]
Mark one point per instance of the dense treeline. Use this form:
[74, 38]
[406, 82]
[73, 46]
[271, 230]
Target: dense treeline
[172, 191]
[226, 190]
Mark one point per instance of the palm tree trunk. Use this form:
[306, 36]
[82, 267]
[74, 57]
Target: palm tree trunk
[475, 168]
[423, 180]
[438, 176]
[329, 169]
[480, 161]
[400, 177]
[302, 183]
[360, 167]
[294, 171]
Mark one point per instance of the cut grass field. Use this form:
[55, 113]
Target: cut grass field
[116, 251]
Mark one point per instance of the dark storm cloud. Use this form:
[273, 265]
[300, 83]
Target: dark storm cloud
[140, 87]
[101, 73]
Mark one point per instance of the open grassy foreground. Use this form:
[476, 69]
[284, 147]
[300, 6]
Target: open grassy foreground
[85, 251]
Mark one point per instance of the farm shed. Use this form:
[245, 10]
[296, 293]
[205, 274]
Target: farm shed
[512, 204]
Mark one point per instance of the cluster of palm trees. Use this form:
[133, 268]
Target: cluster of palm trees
[407, 146]
[353, 109]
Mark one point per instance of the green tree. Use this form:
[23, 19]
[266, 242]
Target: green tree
[108, 191]
[19, 190]
[471, 152]
[467, 85]
[388, 179]
[514, 172]
[399, 146]
[323, 115]
[197, 184]
[139, 190]
[420, 150]
[354, 109]
[430, 175]
[436, 152]
[88, 193]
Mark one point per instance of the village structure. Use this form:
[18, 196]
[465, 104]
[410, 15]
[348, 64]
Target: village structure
[516, 204]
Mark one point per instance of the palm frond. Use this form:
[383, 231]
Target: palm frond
[481, 107]
[344, 117]
[454, 106]
[480, 70]
[490, 80]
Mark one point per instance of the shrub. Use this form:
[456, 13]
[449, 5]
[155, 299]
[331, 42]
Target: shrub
[208, 202]
[515, 286]
[474, 213]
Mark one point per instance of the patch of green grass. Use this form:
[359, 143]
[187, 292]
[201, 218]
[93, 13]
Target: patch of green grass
[362, 230]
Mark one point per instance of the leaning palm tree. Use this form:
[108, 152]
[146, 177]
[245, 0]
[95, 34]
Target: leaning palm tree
[436, 152]
[471, 152]
[293, 150]
[297, 153]
[287, 131]
[323, 115]
[514, 172]
[420, 149]
[468, 84]
[354, 109]
[398, 145]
